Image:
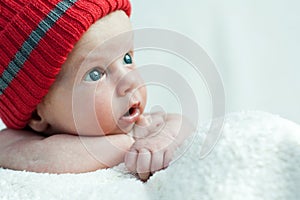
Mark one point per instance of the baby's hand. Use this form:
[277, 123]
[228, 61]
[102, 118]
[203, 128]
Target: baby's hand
[157, 137]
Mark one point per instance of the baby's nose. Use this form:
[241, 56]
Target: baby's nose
[128, 82]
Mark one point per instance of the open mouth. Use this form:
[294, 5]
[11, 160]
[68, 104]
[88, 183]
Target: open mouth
[132, 114]
[131, 111]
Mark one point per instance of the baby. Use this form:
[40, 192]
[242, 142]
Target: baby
[70, 92]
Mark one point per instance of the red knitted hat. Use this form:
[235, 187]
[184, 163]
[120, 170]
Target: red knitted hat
[35, 38]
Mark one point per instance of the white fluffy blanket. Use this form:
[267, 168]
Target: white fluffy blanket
[257, 157]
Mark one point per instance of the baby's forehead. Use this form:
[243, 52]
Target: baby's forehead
[105, 41]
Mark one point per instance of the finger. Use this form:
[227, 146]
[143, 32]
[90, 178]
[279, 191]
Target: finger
[167, 158]
[131, 159]
[157, 162]
[140, 130]
[144, 176]
[144, 120]
[143, 161]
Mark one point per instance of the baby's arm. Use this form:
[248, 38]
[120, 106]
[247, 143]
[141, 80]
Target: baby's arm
[25, 150]
[157, 137]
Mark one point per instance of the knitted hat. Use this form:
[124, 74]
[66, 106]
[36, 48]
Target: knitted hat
[35, 38]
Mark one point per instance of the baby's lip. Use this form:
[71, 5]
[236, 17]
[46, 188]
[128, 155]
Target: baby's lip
[132, 114]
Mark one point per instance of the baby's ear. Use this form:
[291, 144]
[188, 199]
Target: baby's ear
[38, 122]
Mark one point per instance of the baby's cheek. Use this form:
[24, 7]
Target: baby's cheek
[106, 119]
[143, 96]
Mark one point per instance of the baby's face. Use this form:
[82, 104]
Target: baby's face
[98, 91]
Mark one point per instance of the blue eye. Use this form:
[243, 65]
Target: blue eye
[94, 75]
[127, 59]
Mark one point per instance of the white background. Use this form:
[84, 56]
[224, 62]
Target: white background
[254, 44]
